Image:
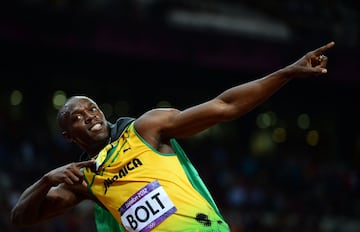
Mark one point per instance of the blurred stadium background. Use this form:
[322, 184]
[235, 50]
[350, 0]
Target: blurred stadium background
[292, 164]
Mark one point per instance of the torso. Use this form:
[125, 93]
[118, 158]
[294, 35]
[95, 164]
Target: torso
[143, 187]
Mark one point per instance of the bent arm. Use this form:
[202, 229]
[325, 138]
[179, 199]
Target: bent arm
[41, 202]
[53, 194]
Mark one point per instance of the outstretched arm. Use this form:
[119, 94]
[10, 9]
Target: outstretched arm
[160, 124]
[241, 99]
[52, 195]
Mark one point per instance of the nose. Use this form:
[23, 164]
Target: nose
[89, 117]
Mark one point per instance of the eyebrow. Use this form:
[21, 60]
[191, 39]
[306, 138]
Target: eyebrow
[78, 110]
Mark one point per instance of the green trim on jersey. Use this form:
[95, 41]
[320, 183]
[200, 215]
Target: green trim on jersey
[105, 222]
[193, 175]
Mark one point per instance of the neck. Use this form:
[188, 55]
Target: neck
[94, 150]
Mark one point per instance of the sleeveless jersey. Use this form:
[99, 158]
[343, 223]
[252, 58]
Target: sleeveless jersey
[147, 190]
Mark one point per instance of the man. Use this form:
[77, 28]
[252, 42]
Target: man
[136, 171]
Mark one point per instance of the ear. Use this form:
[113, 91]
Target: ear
[67, 136]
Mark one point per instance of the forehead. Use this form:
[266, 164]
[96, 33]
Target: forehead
[79, 103]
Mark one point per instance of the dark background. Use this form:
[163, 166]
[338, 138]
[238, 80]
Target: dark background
[137, 54]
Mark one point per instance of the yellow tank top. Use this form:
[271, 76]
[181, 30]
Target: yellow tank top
[147, 190]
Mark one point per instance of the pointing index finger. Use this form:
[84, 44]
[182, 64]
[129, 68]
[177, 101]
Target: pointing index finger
[324, 48]
[87, 163]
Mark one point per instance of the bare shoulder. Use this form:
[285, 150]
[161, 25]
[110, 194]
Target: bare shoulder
[155, 118]
[154, 122]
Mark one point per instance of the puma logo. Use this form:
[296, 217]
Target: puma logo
[203, 219]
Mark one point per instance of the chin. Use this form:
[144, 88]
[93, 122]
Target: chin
[101, 136]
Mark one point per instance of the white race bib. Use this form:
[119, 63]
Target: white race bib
[147, 208]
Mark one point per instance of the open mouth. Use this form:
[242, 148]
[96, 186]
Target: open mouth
[96, 127]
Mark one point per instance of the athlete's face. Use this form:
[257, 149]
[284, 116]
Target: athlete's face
[86, 124]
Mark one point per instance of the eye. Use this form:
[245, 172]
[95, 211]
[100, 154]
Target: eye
[78, 117]
[93, 109]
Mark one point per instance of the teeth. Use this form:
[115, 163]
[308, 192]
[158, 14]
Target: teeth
[96, 127]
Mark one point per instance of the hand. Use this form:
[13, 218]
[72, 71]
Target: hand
[69, 174]
[312, 63]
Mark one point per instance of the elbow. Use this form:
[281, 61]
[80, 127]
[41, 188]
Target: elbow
[16, 219]
[231, 113]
